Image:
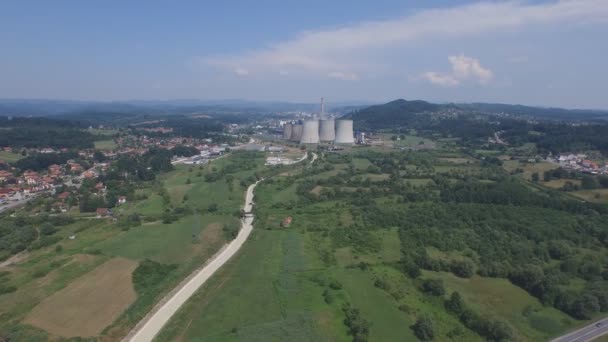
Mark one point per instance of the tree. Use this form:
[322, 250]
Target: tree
[433, 287]
[463, 268]
[47, 229]
[98, 156]
[424, 328]
[455, 304]
[535, 177]
[585, 306]
[589, 182]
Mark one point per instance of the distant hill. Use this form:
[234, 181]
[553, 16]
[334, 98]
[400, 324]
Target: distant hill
[41, 107]
[537, 112]
[395, 113]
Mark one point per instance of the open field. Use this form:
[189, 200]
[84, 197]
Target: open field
[89, 304]
[10, 157]
[499, 297]
[172, 243]
[559, 183]
[98, 131]
[595, 195]
[105, 144]
[529, 168]
[48, 276]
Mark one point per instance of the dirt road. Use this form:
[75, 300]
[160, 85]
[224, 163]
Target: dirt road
[148, 328]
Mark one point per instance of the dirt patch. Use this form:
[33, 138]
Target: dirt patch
[15, 259]
[212, 233]
[88, 304]
[316, 190]
[210, 237]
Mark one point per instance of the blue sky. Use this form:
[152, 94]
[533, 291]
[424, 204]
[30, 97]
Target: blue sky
[550, 53]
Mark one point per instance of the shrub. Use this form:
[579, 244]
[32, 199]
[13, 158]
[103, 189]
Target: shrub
[433, 287]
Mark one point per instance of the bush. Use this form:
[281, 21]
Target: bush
[358, 327]
[424, 328]
[149, 274]
[7, 289]
[47, 229]
[463, 268]
[433, 287]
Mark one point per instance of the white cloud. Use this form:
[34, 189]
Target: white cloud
[463, 68]
[346, 76]
[440, 79]
[241, 72]
[347, 48]
[466, 67]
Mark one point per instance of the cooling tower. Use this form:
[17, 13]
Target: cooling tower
[310, 132]
[327, 130]
[287, 128]
[296, 133]
[344, 132]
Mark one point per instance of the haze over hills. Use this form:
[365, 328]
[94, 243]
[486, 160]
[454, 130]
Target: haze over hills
[394, 111]
[43, 107]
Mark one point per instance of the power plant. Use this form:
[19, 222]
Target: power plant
[296, 132]
[287, 130]
[310, 132]
[326, 130]
[344, 132]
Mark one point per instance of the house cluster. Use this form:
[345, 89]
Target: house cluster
[579, 162]
[30, 182]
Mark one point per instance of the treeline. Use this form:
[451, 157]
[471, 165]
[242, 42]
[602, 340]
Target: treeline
[39, 137]
[144, 167]
[25, 232]
[41, 161]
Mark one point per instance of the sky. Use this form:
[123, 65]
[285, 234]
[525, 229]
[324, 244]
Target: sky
[547, 53]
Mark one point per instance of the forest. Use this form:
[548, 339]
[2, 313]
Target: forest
[496, 224]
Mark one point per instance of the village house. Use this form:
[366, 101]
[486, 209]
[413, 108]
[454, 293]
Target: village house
[5, 175]
[122, 200]
[103, 212]
[75, 167]
[89, 174]
[286, 222]
[63, 196]
[100, 187]
[6, 192]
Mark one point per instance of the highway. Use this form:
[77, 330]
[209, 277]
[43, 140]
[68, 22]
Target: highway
[588, 333]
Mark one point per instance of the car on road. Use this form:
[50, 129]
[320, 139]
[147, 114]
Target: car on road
[599, 324]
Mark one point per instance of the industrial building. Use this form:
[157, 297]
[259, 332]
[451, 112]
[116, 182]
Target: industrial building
[344, 132]
[325, 130]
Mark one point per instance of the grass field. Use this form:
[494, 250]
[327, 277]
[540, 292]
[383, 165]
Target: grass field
[499, 297]
[169, 243]
[48, 277]
[105, 144]
[10, 157]
[559, 183]
[529, 168]
[89, 304]
[595, 195]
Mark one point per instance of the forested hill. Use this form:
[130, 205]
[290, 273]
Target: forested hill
[537, 112]
[395, 113]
